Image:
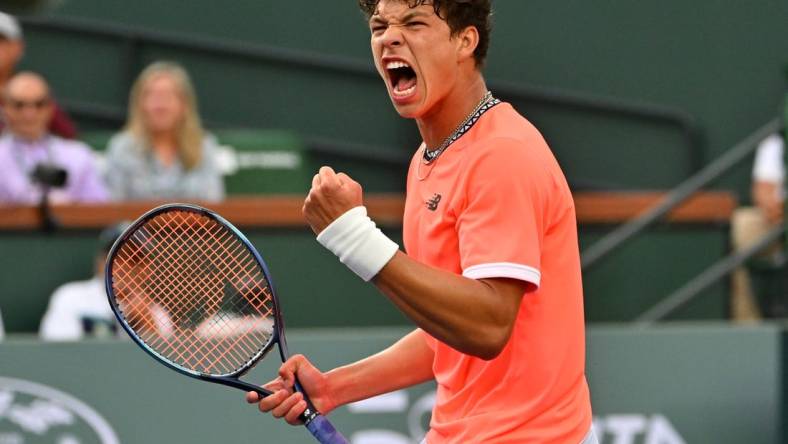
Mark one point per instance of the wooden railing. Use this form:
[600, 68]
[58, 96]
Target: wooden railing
[618, 207]
[385, 209]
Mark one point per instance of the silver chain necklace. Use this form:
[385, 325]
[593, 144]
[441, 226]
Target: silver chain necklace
[487, 102]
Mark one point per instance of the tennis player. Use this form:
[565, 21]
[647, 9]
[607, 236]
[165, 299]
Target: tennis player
[492, 274]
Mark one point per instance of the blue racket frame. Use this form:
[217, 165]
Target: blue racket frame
[318, 425]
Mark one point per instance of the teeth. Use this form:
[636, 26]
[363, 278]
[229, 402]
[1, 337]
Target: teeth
[407, 92]
[396, 65]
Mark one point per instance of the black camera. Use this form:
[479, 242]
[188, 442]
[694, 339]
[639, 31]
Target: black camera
[49, 175]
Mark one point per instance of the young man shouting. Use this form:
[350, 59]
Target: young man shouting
[491, 277]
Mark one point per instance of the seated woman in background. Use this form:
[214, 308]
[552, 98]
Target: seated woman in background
[163, 152]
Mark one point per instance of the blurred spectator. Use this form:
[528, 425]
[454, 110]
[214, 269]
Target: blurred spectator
[27, 148]
[751, 223]
[163, 152]
[80, 309]
[11, 49]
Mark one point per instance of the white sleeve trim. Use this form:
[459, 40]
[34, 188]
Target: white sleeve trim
[504, 270]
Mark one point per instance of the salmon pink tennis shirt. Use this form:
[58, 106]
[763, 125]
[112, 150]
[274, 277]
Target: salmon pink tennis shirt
[495, 204]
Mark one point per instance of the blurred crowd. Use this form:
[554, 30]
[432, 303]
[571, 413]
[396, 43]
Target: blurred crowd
[162, 152]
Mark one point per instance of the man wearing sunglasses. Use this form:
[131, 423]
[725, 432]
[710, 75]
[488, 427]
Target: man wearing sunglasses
[12, 47]
[33, 161]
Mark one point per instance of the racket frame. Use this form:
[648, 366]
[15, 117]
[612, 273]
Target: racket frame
[230, 379]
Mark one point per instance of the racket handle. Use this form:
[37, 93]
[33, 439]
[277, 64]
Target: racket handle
[322, 429]
[318, 425]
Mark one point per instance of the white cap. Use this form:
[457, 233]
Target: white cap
[9, 27]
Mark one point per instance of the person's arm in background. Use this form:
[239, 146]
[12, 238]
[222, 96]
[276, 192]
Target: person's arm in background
[767, 196]
[769, 178]
[408, 362]
[15, 188]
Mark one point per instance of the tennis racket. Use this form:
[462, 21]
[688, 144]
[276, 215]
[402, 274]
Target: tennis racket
[192, 291]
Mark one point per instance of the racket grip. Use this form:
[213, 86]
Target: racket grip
[322, 429]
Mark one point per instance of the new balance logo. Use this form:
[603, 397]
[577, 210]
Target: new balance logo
[432, 204]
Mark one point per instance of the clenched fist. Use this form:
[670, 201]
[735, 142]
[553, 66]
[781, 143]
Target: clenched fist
[332, 195]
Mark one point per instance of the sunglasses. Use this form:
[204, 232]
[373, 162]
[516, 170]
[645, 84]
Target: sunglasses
[19, 105]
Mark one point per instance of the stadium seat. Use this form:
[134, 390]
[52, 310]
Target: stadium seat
[263, 161]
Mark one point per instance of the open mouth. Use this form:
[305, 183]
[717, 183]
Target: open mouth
[402, 77]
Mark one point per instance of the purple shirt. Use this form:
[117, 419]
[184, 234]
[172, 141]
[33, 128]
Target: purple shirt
[18, 158]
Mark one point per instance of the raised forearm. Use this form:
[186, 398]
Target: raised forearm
[475, 317]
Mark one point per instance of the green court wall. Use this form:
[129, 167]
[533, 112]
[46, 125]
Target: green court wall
[682, 384]
[720, 62]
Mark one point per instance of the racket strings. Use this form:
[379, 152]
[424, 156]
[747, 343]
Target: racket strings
[194, 293]
[188, 309]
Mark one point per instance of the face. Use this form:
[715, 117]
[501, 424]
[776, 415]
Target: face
[162, 105]
[27, 107]
[415, 54]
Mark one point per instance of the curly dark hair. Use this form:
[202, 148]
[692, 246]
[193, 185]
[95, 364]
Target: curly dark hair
[458, 14]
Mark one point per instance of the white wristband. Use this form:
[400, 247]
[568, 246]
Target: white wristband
[358, 243]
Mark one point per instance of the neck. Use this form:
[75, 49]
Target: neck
[446, 115]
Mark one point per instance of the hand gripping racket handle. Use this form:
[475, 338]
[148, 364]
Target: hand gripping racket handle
[318, 425]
